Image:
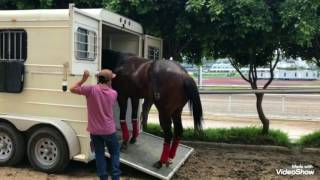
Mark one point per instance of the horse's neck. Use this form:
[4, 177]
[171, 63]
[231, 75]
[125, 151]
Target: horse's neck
[113, 59]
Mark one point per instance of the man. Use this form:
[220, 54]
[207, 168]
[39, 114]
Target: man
[101, 125]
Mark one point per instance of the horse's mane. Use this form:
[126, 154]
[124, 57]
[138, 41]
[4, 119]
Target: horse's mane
[112, 59]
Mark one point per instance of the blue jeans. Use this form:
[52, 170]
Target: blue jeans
[111, 142]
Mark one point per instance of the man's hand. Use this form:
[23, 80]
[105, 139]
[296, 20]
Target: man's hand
[85, 76]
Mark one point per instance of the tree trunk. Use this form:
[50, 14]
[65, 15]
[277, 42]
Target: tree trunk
[262, 117]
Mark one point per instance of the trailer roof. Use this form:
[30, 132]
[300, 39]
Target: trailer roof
[34, 15]
[107, 17]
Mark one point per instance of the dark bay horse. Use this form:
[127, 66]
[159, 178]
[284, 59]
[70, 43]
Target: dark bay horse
[163, 83]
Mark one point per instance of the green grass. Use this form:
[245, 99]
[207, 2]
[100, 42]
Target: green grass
[310, 140]
[248, 135]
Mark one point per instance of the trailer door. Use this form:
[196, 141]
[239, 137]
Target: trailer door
[152, 47]
[85, 47]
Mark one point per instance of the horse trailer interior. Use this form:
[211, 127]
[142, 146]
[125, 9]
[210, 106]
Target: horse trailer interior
[41, 52]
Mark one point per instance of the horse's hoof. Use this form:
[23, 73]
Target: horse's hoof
[157, 165]
[133, 140]
[124, 146]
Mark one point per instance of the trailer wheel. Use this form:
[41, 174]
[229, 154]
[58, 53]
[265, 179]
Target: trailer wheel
[48, 150]
[12, 145]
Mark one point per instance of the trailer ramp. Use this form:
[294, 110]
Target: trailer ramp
[147, 150]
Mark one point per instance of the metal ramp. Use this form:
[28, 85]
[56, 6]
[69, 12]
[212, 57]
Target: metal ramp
[147, 150]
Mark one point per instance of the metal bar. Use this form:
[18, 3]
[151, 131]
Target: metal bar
[1, 48]
[266, 91]
[230, 103]
[283, 103]
[15, 45]
[9, 45]
[3, 43]
[84, 34]
[91, 52]
[21, 45]
[11, 59]
[44, 65]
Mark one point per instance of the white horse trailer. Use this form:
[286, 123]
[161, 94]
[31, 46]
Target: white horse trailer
[41, 51]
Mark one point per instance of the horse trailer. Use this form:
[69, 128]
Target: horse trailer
[41, 52]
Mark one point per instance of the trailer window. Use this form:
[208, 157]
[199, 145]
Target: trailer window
[13, 45]
[153, 53]
[86, 48]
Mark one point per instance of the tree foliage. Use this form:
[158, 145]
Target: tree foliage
[248, 32]
[301, 19]
[245, 30]
[253, 33]
[43, 4]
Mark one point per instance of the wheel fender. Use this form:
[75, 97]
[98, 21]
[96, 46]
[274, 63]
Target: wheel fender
[23, 123]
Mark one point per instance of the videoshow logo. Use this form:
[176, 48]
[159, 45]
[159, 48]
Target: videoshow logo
[304, 170]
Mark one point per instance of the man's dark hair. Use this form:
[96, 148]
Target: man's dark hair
[102, 80]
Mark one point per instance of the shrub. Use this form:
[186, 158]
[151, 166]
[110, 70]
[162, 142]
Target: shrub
[247, 135]
[310, 140]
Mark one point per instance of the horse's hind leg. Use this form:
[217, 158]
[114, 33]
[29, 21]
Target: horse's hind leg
[135, 124]
[165, 123]
[178, 130]
[124, 128]
[145, 111]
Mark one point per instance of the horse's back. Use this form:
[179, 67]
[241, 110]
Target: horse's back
[166, 66]
[132, 80]
[168, 81]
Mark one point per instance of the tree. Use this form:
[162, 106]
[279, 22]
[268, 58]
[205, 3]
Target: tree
[167, 19]
[248, 32]
[25, 4]
[302, 21]
[41, 4]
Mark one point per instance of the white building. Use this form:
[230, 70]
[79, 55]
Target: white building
[286, 70]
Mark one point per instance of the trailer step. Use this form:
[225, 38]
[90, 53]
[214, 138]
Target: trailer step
[147, 150]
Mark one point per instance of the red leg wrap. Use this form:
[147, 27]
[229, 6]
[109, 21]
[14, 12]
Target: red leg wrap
[174, 147]
[165, 153]
[135, 128]
[125, 131]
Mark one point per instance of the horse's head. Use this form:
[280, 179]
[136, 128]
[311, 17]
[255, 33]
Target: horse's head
[113, 59]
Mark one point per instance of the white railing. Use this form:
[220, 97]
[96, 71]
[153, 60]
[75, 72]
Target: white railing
[290, 104]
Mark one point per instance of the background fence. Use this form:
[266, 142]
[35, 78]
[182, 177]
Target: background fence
[295, 104]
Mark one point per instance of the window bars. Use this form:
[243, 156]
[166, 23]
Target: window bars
[153, 53]
[85, 44]
[13, 45]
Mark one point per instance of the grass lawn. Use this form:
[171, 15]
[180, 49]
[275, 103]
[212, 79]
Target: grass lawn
[247, 135]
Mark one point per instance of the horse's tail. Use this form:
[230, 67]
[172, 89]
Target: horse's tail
[191, 90]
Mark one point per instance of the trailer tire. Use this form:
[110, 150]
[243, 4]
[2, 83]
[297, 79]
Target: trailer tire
[12, 145]
[47, 150]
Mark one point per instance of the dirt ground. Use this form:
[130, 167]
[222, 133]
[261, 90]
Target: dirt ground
[207, 162]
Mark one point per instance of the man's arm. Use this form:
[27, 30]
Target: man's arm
[85, 76]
